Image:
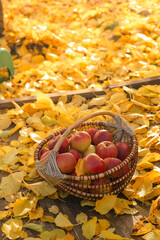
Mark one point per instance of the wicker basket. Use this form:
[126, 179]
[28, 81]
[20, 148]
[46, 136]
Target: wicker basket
[94, 186]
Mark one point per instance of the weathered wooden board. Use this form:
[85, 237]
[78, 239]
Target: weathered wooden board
[1, 19]
[87, 93]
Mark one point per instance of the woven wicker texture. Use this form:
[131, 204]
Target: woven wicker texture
[94, 186]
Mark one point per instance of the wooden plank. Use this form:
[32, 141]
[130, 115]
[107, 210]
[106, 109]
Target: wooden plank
[87, 93]
[1, 19]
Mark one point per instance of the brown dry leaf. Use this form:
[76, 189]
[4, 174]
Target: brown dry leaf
[104, 205]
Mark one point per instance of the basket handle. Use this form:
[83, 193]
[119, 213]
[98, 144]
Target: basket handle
[78, 122]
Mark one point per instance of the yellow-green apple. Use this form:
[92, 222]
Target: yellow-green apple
[92, 132]
[106, 149]
[102, 135]
[123, 150]
[75, 153]
[94, 164]
[66, 162]
[64, 146]
[80, 141]
[90, 149]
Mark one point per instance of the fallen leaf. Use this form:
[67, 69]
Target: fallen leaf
[81, 218]
[104, 205]
[13, 229]
[89, 228]
[63, 222]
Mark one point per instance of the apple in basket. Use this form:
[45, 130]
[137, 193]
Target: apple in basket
[64, 146]
[44, 153]
[112, 162]
[102, 135]
[106, 149]
[92, 132]
[90, 149]
[66, 162]
[80, 141]
[75, 153]
[123, 150]
[94, 164]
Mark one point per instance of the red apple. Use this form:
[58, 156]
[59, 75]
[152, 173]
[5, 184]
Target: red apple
[90, 149]
[111, 163]
[75, 153]
[63, 147]
[44, 154]
[94, 164]
[123, 150]
[44, 150]
[66, 162]
[80, 141]
[102, 135]
[106, 149]
[92, 132]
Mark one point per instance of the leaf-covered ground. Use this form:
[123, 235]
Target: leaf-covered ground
[68, 45]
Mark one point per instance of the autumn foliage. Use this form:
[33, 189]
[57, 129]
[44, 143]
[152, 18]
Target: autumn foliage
[71, 45]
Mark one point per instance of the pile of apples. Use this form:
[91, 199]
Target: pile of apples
[95, 147]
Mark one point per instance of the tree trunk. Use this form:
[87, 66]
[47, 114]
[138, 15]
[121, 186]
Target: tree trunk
[1, 19]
